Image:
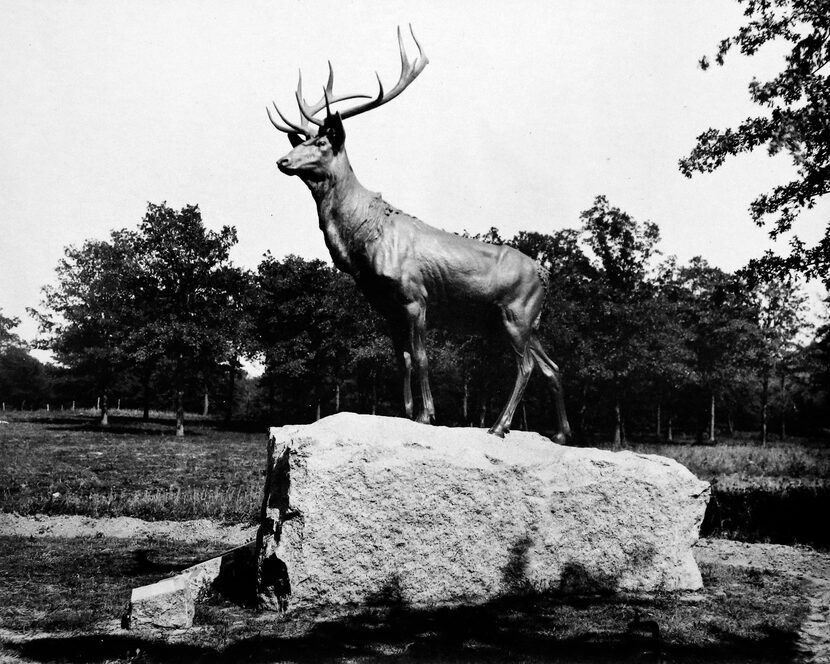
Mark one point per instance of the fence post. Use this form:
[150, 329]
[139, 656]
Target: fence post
[47, 407]
[98, 404]
[73, 406]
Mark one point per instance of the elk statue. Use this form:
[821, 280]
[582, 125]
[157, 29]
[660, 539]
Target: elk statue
[406, 268]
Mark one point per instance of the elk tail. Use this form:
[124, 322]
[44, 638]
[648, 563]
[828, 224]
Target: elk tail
[544, 277]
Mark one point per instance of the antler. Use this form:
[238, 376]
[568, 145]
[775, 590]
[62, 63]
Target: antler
[409, 72]
[328, 94]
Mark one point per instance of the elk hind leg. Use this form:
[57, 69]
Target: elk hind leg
[403, 354]
[551, 371]
[419, 355]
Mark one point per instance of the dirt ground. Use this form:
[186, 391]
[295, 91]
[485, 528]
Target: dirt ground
[809, 567]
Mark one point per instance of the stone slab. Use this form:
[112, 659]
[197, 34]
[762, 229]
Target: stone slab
[171, 602]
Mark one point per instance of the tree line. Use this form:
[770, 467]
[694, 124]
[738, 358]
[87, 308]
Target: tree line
[160, 316]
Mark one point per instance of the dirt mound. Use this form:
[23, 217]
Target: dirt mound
[122, 526]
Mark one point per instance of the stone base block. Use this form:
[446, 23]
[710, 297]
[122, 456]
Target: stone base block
[361, 509]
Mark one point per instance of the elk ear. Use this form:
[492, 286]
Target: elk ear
[333, 127]
[295, 139]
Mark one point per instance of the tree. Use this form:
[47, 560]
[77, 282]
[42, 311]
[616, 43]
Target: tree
[621, 310]
[721, 315]
[781, 317]
[87, 316]
[7, 336]
[22, 378]
[796, 120]
[308, 318]
[185, 289]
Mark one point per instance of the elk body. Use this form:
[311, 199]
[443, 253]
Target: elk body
[408, 269]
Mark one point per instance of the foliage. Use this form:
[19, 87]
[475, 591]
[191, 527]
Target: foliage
[647, 347]
[161, 298]
[23, 379]
[627, 316]
[313, 330]
[88, 315]
[796, 120]
[186, 293]
[7, 336]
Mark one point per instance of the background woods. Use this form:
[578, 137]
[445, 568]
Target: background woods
[158, 317]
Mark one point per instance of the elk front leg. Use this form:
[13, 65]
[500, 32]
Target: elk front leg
[524, 367]
[518, 333]
[417, 330]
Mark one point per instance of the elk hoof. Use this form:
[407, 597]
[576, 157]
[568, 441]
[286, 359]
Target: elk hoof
[424, 418]
[560, 439]
[497, 432]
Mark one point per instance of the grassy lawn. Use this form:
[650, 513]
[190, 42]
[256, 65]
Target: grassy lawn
[71, 466]
[741, 463]
[73, 592]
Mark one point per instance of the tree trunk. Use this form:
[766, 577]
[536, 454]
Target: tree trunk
[658, 421]
[337, 397]
[783, 409]
[669, 433]
[712, 418]
[374, 392]
[180, 412]
[318, 409]
[179, 396]
[466, 401]
[482, 419]
[618, 435]
[764, 407]
[231, 389]
[730, 422]
[145, 391]
[104, 410]
[206, 404]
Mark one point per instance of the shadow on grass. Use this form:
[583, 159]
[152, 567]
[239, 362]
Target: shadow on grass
[528, 630]
[128, 426]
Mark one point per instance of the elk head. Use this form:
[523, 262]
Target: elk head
[319, 144]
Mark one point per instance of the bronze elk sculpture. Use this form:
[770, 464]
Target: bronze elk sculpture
[405, 267]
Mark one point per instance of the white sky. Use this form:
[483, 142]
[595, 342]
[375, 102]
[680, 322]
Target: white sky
[526, 111]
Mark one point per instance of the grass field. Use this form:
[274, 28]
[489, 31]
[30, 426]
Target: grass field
[69, 465]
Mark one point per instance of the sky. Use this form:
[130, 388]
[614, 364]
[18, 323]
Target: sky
[526, 112]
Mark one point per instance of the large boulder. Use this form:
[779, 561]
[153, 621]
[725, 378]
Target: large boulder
[364, 509]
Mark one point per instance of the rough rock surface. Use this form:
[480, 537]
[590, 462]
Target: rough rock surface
[363, 509]
[168, 603]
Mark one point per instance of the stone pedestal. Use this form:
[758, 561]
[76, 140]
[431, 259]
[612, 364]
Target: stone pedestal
[361, 509]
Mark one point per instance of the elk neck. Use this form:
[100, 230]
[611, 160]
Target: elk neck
[342, 204]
